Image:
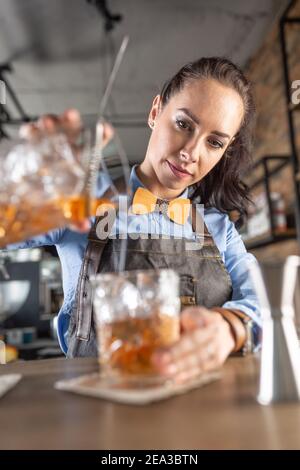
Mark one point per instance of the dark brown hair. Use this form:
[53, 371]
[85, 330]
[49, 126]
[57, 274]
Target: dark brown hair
[222, 187]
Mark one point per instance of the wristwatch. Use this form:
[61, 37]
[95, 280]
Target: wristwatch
[248, 346]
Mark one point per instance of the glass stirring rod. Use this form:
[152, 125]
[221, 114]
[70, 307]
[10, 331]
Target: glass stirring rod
[97, 151]
[97, 157]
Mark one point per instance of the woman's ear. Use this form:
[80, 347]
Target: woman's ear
[154, 112]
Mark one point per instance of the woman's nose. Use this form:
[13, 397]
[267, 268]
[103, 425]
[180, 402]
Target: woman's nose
[191, 151]
[186, 156]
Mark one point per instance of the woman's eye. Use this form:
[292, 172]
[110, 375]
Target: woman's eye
[216, 144]
[181, 124]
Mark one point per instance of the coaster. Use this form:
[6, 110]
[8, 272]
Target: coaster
[8, 381]
[94, 385]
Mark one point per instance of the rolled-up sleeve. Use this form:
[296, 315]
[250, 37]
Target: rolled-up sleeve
[47, 239]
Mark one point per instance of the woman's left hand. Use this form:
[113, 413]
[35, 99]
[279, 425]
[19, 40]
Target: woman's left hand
[205, 343]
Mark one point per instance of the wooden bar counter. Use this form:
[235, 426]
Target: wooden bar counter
[221, 415]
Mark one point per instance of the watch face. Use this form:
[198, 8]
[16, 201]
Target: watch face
[249, 343]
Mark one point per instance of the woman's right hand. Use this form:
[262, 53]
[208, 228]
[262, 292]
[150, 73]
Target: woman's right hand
[70, 124]
[205, 343]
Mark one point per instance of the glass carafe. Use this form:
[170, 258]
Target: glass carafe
[47, 185]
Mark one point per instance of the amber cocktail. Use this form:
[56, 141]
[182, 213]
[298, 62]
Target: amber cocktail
[135, 314]
[46, 185]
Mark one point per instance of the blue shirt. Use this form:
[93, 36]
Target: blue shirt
[71, 246]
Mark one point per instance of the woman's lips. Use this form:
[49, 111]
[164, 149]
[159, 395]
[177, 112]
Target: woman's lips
[179, 172]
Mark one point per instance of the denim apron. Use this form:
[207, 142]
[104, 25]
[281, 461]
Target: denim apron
[203, 276]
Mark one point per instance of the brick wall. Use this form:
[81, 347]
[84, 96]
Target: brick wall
[266, 72]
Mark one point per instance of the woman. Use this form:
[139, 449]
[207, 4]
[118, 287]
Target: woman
[199, 146]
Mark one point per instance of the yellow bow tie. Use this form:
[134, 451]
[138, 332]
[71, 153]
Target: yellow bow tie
[144, 202]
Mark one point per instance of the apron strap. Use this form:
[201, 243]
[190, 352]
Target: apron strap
[199, 226]
[89, 268]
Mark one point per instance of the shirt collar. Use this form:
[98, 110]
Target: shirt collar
[136, 183]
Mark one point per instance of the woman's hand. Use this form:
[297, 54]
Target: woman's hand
[70, 124]
[205, 343]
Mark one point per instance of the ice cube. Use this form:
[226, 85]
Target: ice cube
[167, 278]
[129, 297]
[23, 160]
[47, 169]
[68, 179]
[103, 312]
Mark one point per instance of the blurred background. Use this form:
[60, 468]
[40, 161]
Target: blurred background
[59, 54]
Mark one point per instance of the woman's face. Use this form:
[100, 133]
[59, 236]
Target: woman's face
[190, 134]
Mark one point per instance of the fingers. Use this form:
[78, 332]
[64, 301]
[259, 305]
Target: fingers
[104, 134]
[71, 120]
[203, 346]
[194, 372]
[82, 226]
[30, 132]
[71, 124]
[48, 124]
[188, 353]
[68, 123]
[187, 344]
[191, 365]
